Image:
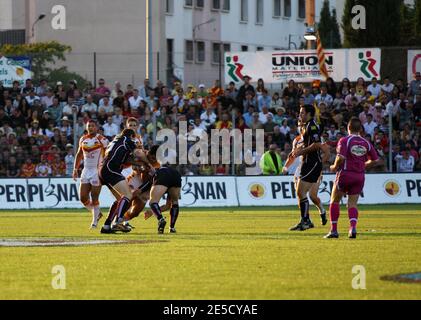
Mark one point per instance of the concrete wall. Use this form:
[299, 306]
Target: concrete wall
[115, 30]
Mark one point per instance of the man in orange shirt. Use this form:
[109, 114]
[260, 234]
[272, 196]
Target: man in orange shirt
[28, 169]
[215, 92]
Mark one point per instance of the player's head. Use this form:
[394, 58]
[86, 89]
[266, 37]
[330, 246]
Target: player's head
[307, 113]
[354, 126]
[128, 133]
[91, 127]
[132, 123]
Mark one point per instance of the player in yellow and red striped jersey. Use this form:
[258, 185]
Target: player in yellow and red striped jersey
[91, 150]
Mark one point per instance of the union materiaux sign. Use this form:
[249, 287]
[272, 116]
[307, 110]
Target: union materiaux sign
[12, 69]
[302, 66]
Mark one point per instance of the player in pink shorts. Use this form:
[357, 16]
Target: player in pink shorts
[354, 156]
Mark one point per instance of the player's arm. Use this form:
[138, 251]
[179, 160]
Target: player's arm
[338, 162]
[78, 160]
[143, 158]
[374, 159]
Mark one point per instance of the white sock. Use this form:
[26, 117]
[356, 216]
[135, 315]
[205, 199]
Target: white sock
[95, 213]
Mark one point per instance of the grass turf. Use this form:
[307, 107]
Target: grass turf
[217, 254]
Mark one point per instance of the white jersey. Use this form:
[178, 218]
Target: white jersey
[93, 149]
[295, 167]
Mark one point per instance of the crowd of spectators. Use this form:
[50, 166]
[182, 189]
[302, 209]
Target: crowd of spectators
[37, 120]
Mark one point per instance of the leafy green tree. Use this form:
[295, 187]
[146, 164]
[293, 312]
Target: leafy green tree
[43, 54]
[328, 27]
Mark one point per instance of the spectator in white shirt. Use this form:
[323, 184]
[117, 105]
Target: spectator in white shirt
[263, 115]
[32, 97]
[134, 101]
[208, 117]
[374, 88]
[405, 162]
[90, 106]
[110, 129]
[370, 125]
[108, 107]
[118, 116]
[323, 96]
[387, 85]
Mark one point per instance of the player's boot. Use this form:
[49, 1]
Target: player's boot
[127, 224]
[119, 226]
[332, 235]
[172, 230]
[352, 233]
[161, 225]
[94, 224]
[309, 224]
[107, 230]
[323, 217]
[301, 226]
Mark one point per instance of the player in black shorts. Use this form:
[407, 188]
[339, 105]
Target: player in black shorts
[311, 167]
[117, 154]
[165, 180]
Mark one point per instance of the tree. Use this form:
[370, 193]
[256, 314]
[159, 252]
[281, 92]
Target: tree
[328, 27]
[383, 27]
[43, 55]
[417, 21]
[408, 28]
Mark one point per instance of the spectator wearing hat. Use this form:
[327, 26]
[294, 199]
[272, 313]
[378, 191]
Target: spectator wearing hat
[280, 116]
[65, 126]
[35, 131]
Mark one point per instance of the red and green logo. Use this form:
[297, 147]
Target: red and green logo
[368, 64]
[235, 68]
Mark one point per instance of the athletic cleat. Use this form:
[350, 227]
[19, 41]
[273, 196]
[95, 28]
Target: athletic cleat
[127, 224]
[121, 227]
[309, 224]
[93, 226]
[324, 218]
[352, 234]
[301, 226]
[161, 225]
[172, 230]
[332, 235]
[107, 230]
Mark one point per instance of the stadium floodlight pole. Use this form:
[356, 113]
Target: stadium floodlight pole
[149, 49]
[391, 139]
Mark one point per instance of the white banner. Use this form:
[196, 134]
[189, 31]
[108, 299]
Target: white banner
[414, 63]
[211, 191]
[280, 191]
[10, 70]
[302, 66]
[64, 193]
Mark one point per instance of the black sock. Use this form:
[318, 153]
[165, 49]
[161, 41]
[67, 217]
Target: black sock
[174, 214]
[304, 208]
[111, 214]
[156, 210]
[122, 207]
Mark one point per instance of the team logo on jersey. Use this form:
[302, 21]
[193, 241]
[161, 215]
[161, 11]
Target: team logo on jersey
[392, 188]
[257, 190]
[359, 151]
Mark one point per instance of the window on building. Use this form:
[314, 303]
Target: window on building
[215, 53]
[200, 49]
[226, 5]
[189, 51]
[302, 9]
[260, 49]
[277, 9]
[200, 4]
[244, 48]
[244, 10]
[259, 11]
[287, 8]
[169, 6]
[188, 3]
[227, 47]
[216, 4]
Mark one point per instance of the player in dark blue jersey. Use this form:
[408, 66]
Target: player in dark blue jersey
[118, 153]
[165, 180]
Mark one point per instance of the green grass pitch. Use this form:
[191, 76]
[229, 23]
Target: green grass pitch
[245, 253]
